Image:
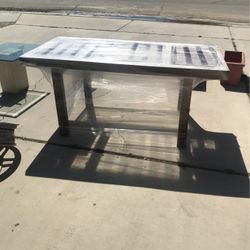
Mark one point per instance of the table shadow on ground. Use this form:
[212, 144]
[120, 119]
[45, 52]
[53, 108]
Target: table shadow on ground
[201, 87]
[211, 163]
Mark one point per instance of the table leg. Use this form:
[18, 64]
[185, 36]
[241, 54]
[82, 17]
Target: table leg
[89, 98]
[184, 107]
[61, 107]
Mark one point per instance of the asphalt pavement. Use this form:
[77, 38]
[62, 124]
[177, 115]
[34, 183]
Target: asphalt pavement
[227, 10]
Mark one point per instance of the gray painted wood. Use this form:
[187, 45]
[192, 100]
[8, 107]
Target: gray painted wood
[184, 107]
[61, 107]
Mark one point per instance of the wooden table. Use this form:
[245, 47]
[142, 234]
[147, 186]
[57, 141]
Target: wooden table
[192, 63]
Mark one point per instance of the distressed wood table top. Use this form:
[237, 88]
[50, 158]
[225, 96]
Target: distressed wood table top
[192, 60]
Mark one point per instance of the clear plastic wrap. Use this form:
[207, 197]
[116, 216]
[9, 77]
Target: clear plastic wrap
[105, 84]
[125, 101]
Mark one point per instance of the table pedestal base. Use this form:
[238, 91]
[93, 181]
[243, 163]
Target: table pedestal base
[13, 77]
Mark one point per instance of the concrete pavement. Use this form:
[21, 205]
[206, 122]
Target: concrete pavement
[135, 196]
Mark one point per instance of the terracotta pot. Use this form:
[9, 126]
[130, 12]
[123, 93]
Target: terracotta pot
[235, 61]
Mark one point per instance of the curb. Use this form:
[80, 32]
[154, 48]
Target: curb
[97, 13]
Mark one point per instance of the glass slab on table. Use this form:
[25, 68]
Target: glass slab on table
[131, 85]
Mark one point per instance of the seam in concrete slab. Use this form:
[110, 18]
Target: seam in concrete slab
[143, 33]
[18, 17]
[241, 39]
[170, 34]
[125, 25]
[139, 157]
[72, 10]
[56, 27]
[232, 39]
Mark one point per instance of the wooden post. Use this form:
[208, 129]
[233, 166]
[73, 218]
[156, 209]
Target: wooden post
[61, 107]
[89, 98]
[184, 107]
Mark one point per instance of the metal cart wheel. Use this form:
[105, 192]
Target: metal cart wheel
[10, 158]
